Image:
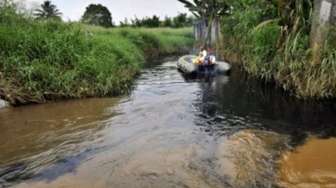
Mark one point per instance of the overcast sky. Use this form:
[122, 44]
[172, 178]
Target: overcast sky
[74, 9]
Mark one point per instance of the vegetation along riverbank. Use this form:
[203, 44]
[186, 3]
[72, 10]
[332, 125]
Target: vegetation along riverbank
[275, 41]
[47, 59]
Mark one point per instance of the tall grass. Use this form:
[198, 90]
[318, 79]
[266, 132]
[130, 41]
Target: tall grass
[272, 43]
[49, 60]
[154, 41]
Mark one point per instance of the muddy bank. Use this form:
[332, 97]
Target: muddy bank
[310, 165]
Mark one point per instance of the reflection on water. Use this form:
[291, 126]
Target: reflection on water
[34, 137]
[241, 160]
[310, 165]
[172, 131]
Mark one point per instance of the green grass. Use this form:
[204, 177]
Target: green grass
[154, 41]
[48, 60]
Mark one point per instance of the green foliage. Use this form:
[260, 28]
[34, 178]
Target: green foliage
[49, 60]
[168, 22]
[124, 23]
[262, 49]
[153, 21]
[271, 38]
[8, 13]
[208, 11]
[179, 21]
[208, 8]
[98, 15]
[182, 20]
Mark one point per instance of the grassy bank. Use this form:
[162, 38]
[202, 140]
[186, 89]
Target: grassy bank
[272, 41]
[48, 60]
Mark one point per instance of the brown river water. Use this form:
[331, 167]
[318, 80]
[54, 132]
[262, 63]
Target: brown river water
[172, 131]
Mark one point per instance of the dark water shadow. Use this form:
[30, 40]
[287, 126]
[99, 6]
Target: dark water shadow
[229, 104]
[260, 121]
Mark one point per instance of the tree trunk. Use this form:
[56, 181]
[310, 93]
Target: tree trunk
[323, 17]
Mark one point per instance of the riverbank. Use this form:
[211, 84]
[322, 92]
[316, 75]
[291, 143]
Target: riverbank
[48, 60]
[272, 43]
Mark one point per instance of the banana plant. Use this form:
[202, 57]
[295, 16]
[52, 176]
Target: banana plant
[207, 10]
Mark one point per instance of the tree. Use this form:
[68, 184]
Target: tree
[180, 20]
[151, 22]
[97, 14]
[167, 22]
[48, 11]
[136, 22]
[124, 23]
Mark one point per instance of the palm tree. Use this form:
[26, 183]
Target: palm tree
[47, 11]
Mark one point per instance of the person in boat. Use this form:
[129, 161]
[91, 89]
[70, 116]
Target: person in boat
[202, 56]
[210, 58]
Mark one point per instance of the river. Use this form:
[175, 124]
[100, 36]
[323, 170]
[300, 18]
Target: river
[172, 131]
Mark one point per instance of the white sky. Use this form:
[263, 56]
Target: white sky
[120, 9]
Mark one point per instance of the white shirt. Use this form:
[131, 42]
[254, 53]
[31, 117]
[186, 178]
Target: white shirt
[204, 53]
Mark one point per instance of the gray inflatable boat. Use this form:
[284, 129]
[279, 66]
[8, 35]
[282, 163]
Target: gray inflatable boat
[186, 65]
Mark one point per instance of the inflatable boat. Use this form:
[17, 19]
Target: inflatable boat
[185, 64]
